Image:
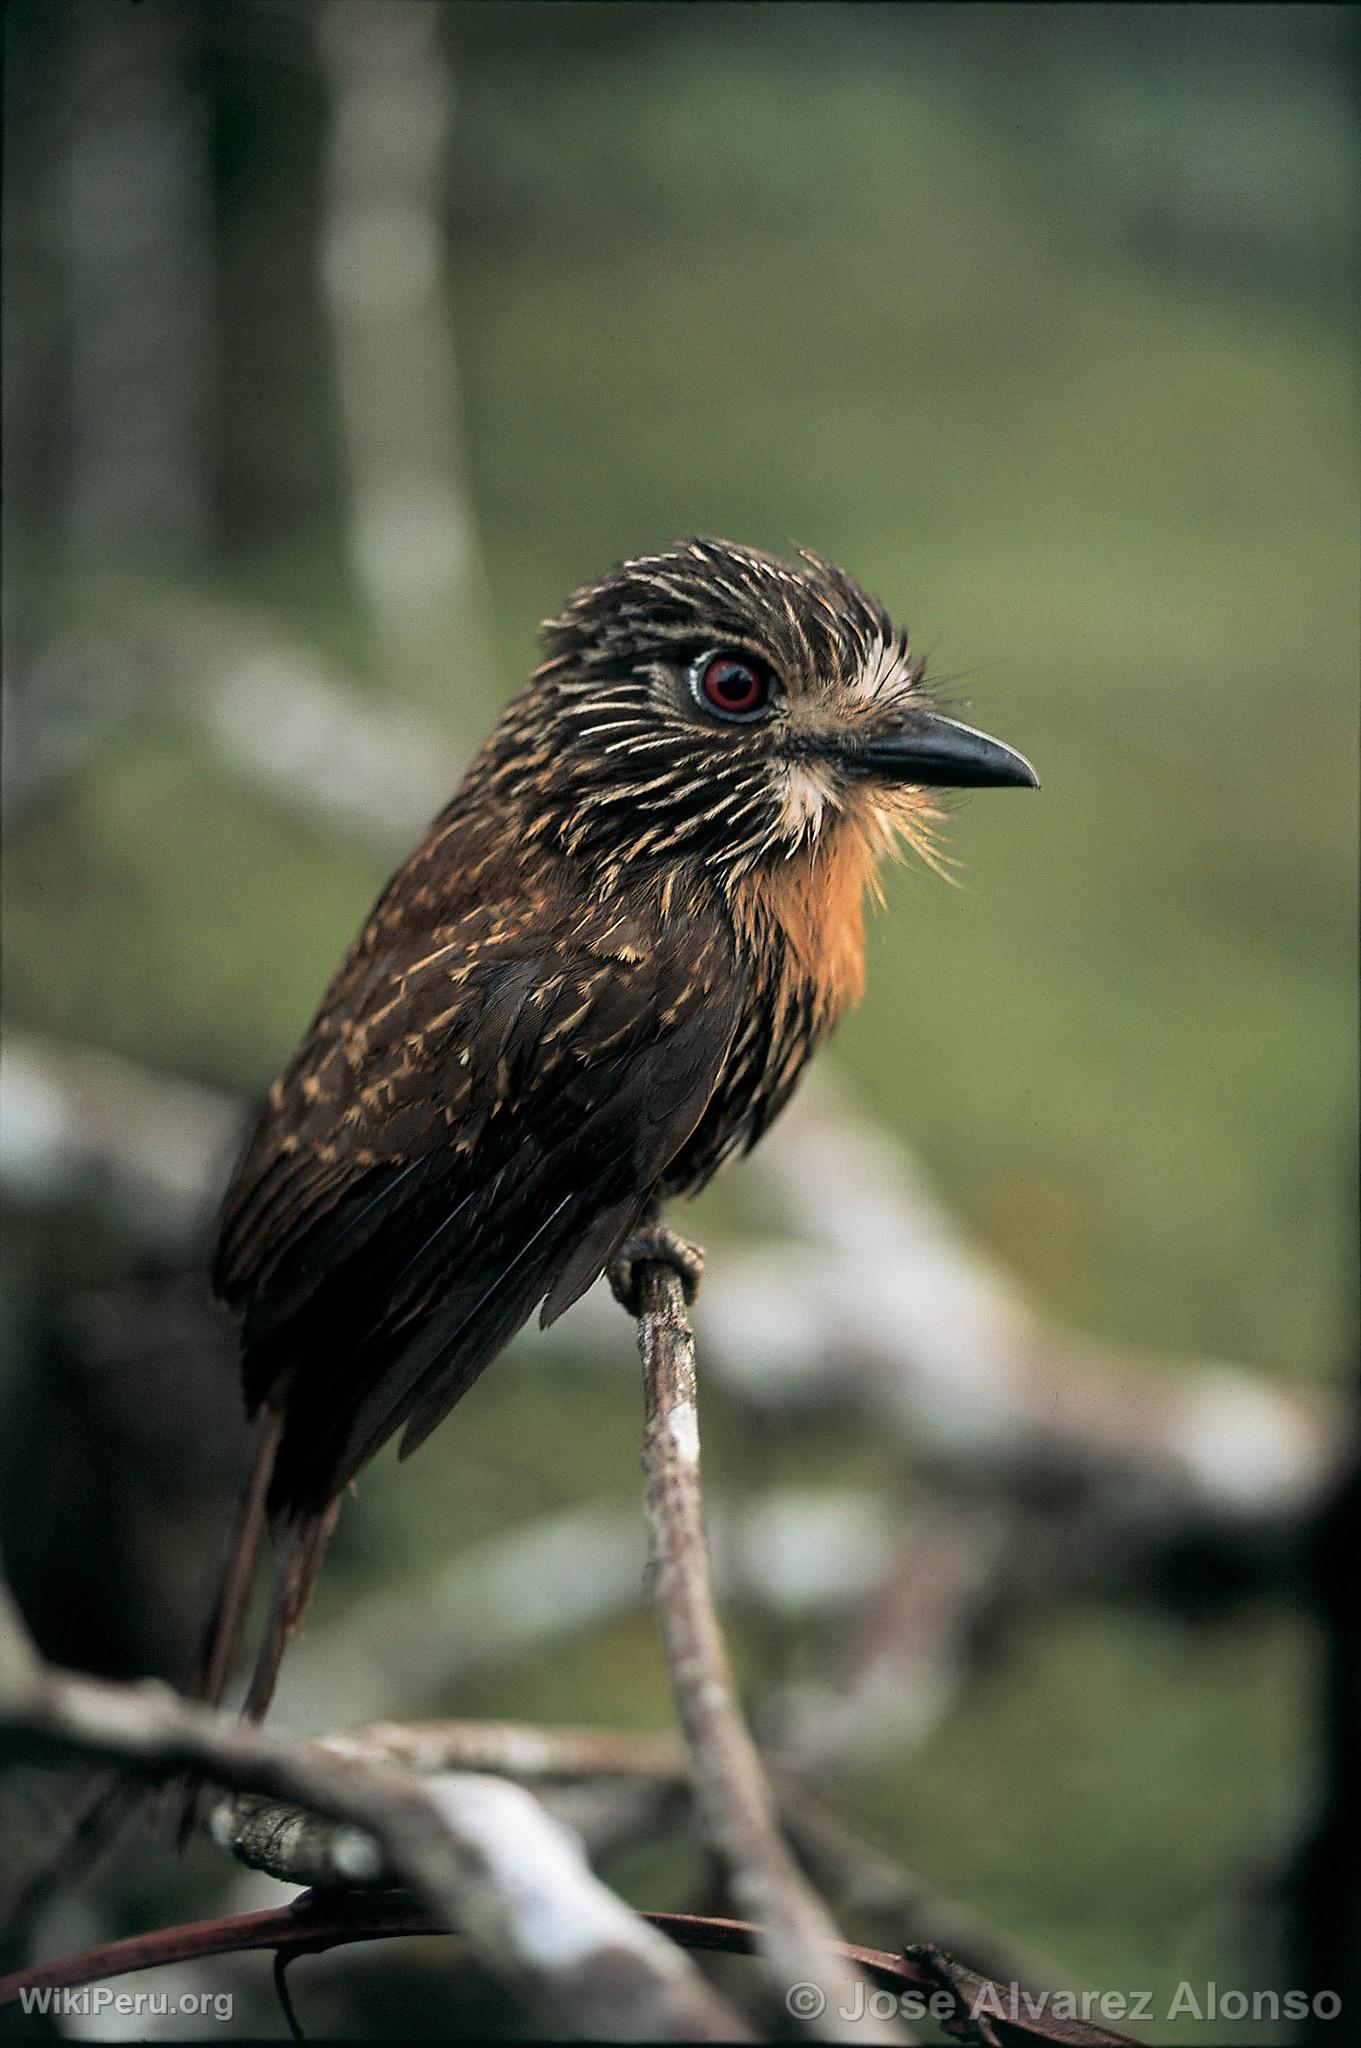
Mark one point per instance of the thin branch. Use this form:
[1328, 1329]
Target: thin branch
[314, 1923]
[285, 1996]
[736, 1808]
[318, 1921]
[485, 1859]
[479, 1852]
[643, 1772]
[308, 1925]
[300, 1849]
[515, 1749]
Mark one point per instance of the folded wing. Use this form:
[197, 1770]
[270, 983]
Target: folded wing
[471, 1130]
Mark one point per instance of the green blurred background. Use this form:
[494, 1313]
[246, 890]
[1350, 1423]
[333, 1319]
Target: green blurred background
[1039, 320]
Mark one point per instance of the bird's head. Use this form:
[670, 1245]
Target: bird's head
[713, 703]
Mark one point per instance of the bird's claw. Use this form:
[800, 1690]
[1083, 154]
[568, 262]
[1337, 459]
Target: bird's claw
[654, 1245]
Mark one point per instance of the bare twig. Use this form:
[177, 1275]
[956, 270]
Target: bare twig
[645, 1773]
[735, 1806]
[317, 1921]
[479, 1852]
[485, 1860]
[601, 1781]
[301, 1849]
[516, 1749]
[949, 1991]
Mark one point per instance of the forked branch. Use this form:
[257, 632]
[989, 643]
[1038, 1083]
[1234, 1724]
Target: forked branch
[478, 1852]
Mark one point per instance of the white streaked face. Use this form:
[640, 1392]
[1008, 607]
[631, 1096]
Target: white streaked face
[805, 796]
[712, 703]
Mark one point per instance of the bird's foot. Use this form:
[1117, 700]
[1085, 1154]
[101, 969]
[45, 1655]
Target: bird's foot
[654, 1245]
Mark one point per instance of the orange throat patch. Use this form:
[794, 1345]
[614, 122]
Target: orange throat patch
[814, 897]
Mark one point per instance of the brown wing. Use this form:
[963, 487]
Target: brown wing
[472, 1128]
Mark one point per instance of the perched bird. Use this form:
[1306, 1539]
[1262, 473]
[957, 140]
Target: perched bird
[597, 979]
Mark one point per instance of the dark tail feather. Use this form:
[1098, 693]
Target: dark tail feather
[211, 1668]
[208, 1674]
[302, 1547]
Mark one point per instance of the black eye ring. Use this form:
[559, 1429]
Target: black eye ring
[732, 685]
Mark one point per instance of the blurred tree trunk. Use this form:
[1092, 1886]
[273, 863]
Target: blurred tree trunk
[140, 289]
[110, 317]
[413, 535]
[31, 304]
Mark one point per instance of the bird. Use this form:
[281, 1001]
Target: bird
[596, 981]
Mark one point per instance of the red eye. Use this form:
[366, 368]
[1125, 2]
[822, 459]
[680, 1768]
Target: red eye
[734, 685]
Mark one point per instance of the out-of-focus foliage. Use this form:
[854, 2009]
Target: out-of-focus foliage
[1037, 318]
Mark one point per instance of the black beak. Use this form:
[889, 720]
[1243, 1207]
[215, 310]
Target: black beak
[941, 754]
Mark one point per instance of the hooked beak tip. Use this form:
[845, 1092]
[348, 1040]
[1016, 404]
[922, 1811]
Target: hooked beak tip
[938, 752]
